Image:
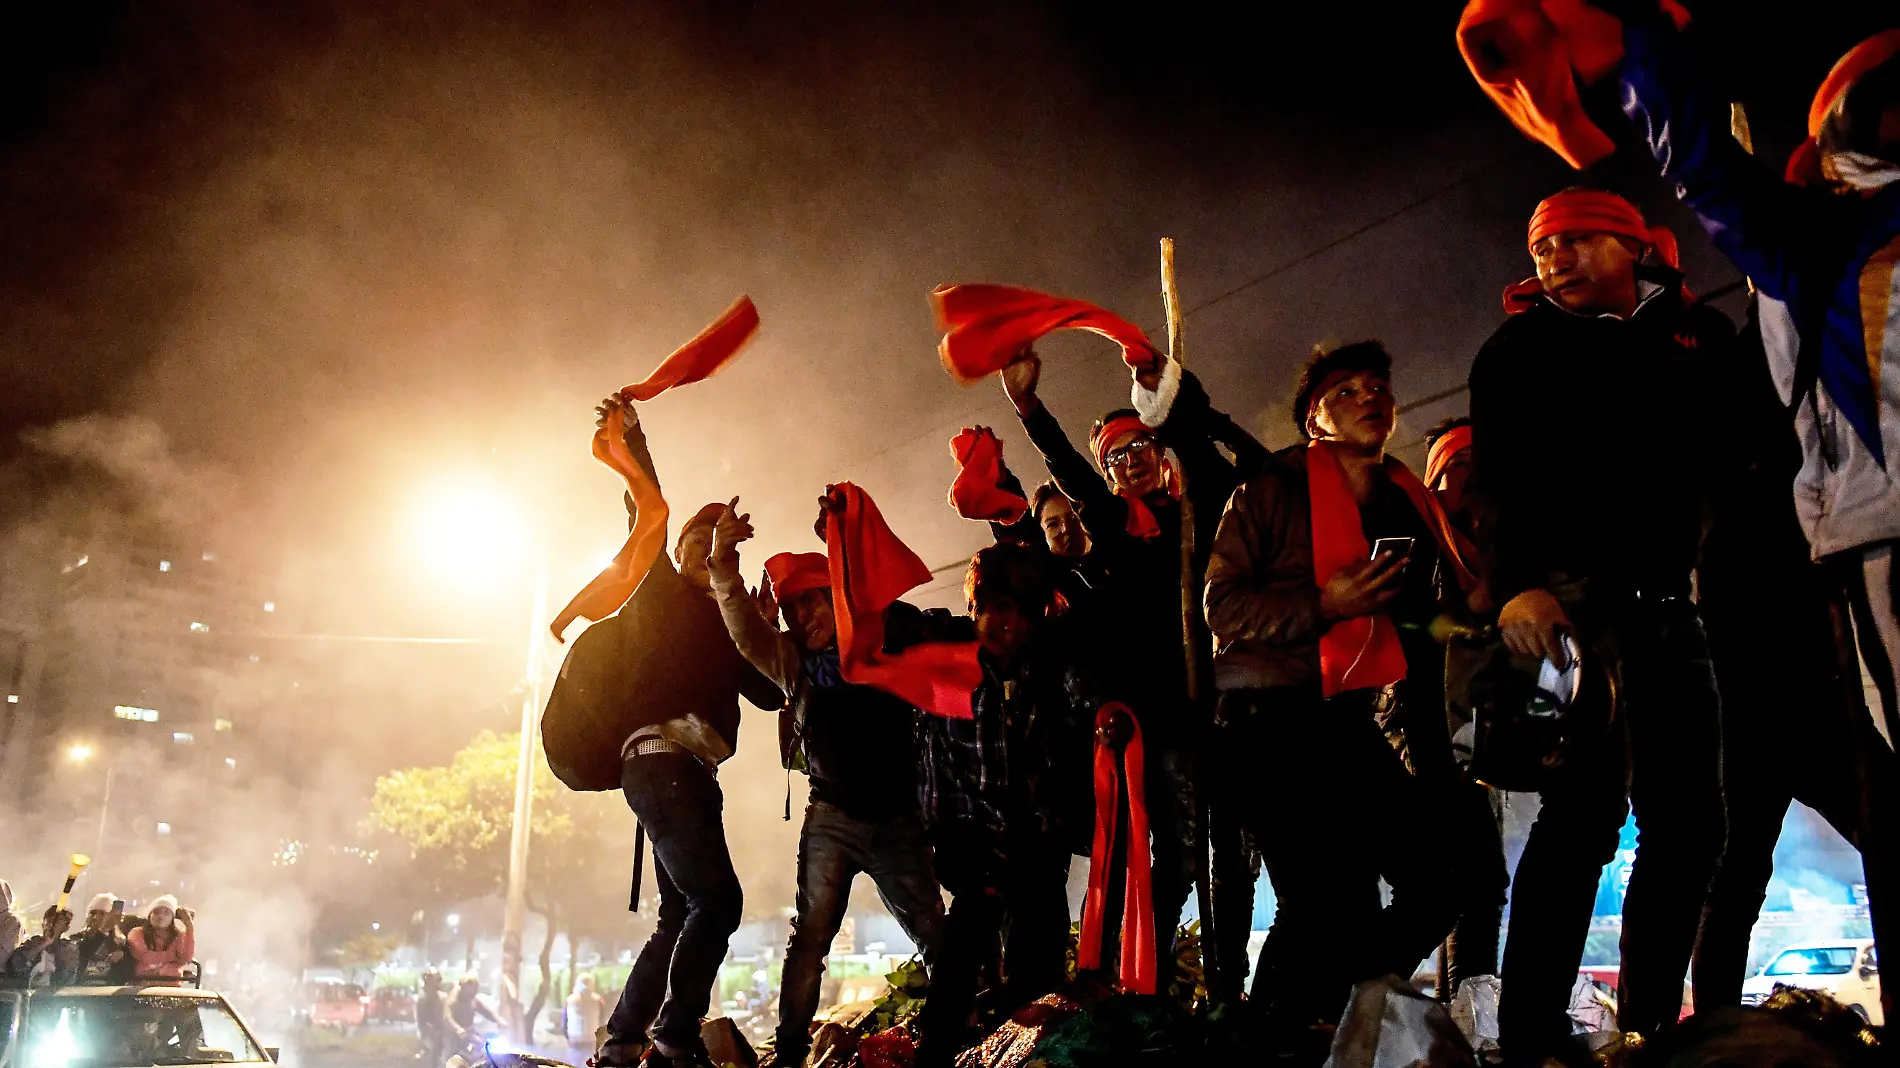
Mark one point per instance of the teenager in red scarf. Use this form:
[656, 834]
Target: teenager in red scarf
[1128, 503]
[1317, 638]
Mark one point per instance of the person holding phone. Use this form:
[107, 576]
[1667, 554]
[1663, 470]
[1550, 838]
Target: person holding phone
[1320, 594]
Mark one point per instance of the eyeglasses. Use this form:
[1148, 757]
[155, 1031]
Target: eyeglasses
[1138, 447]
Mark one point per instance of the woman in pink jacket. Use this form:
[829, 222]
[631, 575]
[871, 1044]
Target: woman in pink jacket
[164, 943]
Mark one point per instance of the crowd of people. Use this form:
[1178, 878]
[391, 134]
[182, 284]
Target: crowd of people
[112, 948]
[1638, 568]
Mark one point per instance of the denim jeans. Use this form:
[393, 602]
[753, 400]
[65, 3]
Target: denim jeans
[1663, 757]
[832, 849]
[679, 803]
[1171, 815]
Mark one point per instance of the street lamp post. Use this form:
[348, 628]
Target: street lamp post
[514, 912]
[80, 753]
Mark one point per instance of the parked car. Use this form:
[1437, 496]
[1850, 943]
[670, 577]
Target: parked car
[123, 1027]
[393, 1004]
[1848, 969]
[339, 1005]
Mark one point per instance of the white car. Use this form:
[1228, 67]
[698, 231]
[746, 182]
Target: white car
[123, 1027]
[1846, 969]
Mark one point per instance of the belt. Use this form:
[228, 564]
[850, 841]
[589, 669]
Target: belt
[650, 746]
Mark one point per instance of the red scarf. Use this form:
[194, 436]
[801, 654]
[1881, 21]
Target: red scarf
[702, 357]
[976, 494]
[1137, 969]
[1363, 652]
[987, 326]
[1528, 56]
[870, 569]
[610, 589]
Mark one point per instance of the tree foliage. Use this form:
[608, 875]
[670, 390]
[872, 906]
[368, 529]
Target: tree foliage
[456, 820]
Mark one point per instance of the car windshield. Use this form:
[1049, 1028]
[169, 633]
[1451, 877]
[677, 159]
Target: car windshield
[132, 1031]
[1828, 960]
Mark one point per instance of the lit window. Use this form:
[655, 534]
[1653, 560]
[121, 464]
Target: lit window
[220, 724]
[200, 628]
[182, 738]
[207, 556]
[13, 699]
[164, 828]
[164, 565]
[231, 762]
[270, 606]
[135, 714]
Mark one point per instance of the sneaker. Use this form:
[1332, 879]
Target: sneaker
[618, 1054]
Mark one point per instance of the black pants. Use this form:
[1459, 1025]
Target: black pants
[1170, 771]
[679, 803]
[1484, 880]
[1664, 758]
[1334, 810]
[1028, 889]
[1794, 719]
[1234, 875]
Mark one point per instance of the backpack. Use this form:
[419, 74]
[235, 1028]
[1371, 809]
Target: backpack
[602, 694]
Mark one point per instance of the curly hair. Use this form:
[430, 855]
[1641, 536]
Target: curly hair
[1324, 363]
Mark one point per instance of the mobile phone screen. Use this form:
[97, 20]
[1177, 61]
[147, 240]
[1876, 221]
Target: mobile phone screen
[1393, 546]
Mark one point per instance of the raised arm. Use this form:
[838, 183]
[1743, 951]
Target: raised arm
[770, 650]
[1246, 601]
[1770, 229]
[1103, 514]
[1024, 531]
[1185, 420]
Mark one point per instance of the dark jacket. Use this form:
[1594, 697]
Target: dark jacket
[1262, 597]
[665, 654]
[1145, 574]
[1592, 440]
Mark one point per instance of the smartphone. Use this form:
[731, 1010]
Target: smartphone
[1391, 546]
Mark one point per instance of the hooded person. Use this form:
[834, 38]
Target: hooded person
[432, 1020]
[102, 955]
[165, 943]
[854, 743]
[9, 923]
[676, 722]
[1593, 521]
[1128, 502]
[1318, 633]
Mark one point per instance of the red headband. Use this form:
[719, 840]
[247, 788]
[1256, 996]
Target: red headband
[1588, 211]
[794, 573]
[1449, 445]
[1112, 430]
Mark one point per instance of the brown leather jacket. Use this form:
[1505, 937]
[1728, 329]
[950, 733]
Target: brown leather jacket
[1262, 604]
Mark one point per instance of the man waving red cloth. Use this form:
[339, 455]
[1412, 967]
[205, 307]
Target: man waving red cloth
[870, 569]
[987, 326]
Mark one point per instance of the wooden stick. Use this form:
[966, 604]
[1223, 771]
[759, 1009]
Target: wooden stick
[1177, 351]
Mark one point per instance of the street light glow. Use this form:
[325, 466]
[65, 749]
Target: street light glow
[79, 752]
[467, 529]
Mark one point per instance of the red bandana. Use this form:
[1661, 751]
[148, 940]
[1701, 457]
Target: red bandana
[975, 493]
[794, 573]
[1141, 518]
[987, 326]
[610, 589]
[870, 569]
[1449, 445]
[1137, 969]
[702, 357]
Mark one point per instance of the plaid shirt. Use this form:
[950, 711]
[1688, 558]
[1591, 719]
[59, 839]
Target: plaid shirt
[989, 775]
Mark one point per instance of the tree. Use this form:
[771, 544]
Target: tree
[364, 952]
[456, 821]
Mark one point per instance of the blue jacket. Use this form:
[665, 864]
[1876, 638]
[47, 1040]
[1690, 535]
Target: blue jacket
[1823, 264]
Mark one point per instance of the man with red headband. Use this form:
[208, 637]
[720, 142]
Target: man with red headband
[1129, 506]
[1592, 523]
[1320, 594]
[675, 718]
[855, 745]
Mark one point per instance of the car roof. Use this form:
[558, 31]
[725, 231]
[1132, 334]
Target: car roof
[1838, 943]
[138, 990]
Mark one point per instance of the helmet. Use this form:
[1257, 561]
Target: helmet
[1530, 716]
